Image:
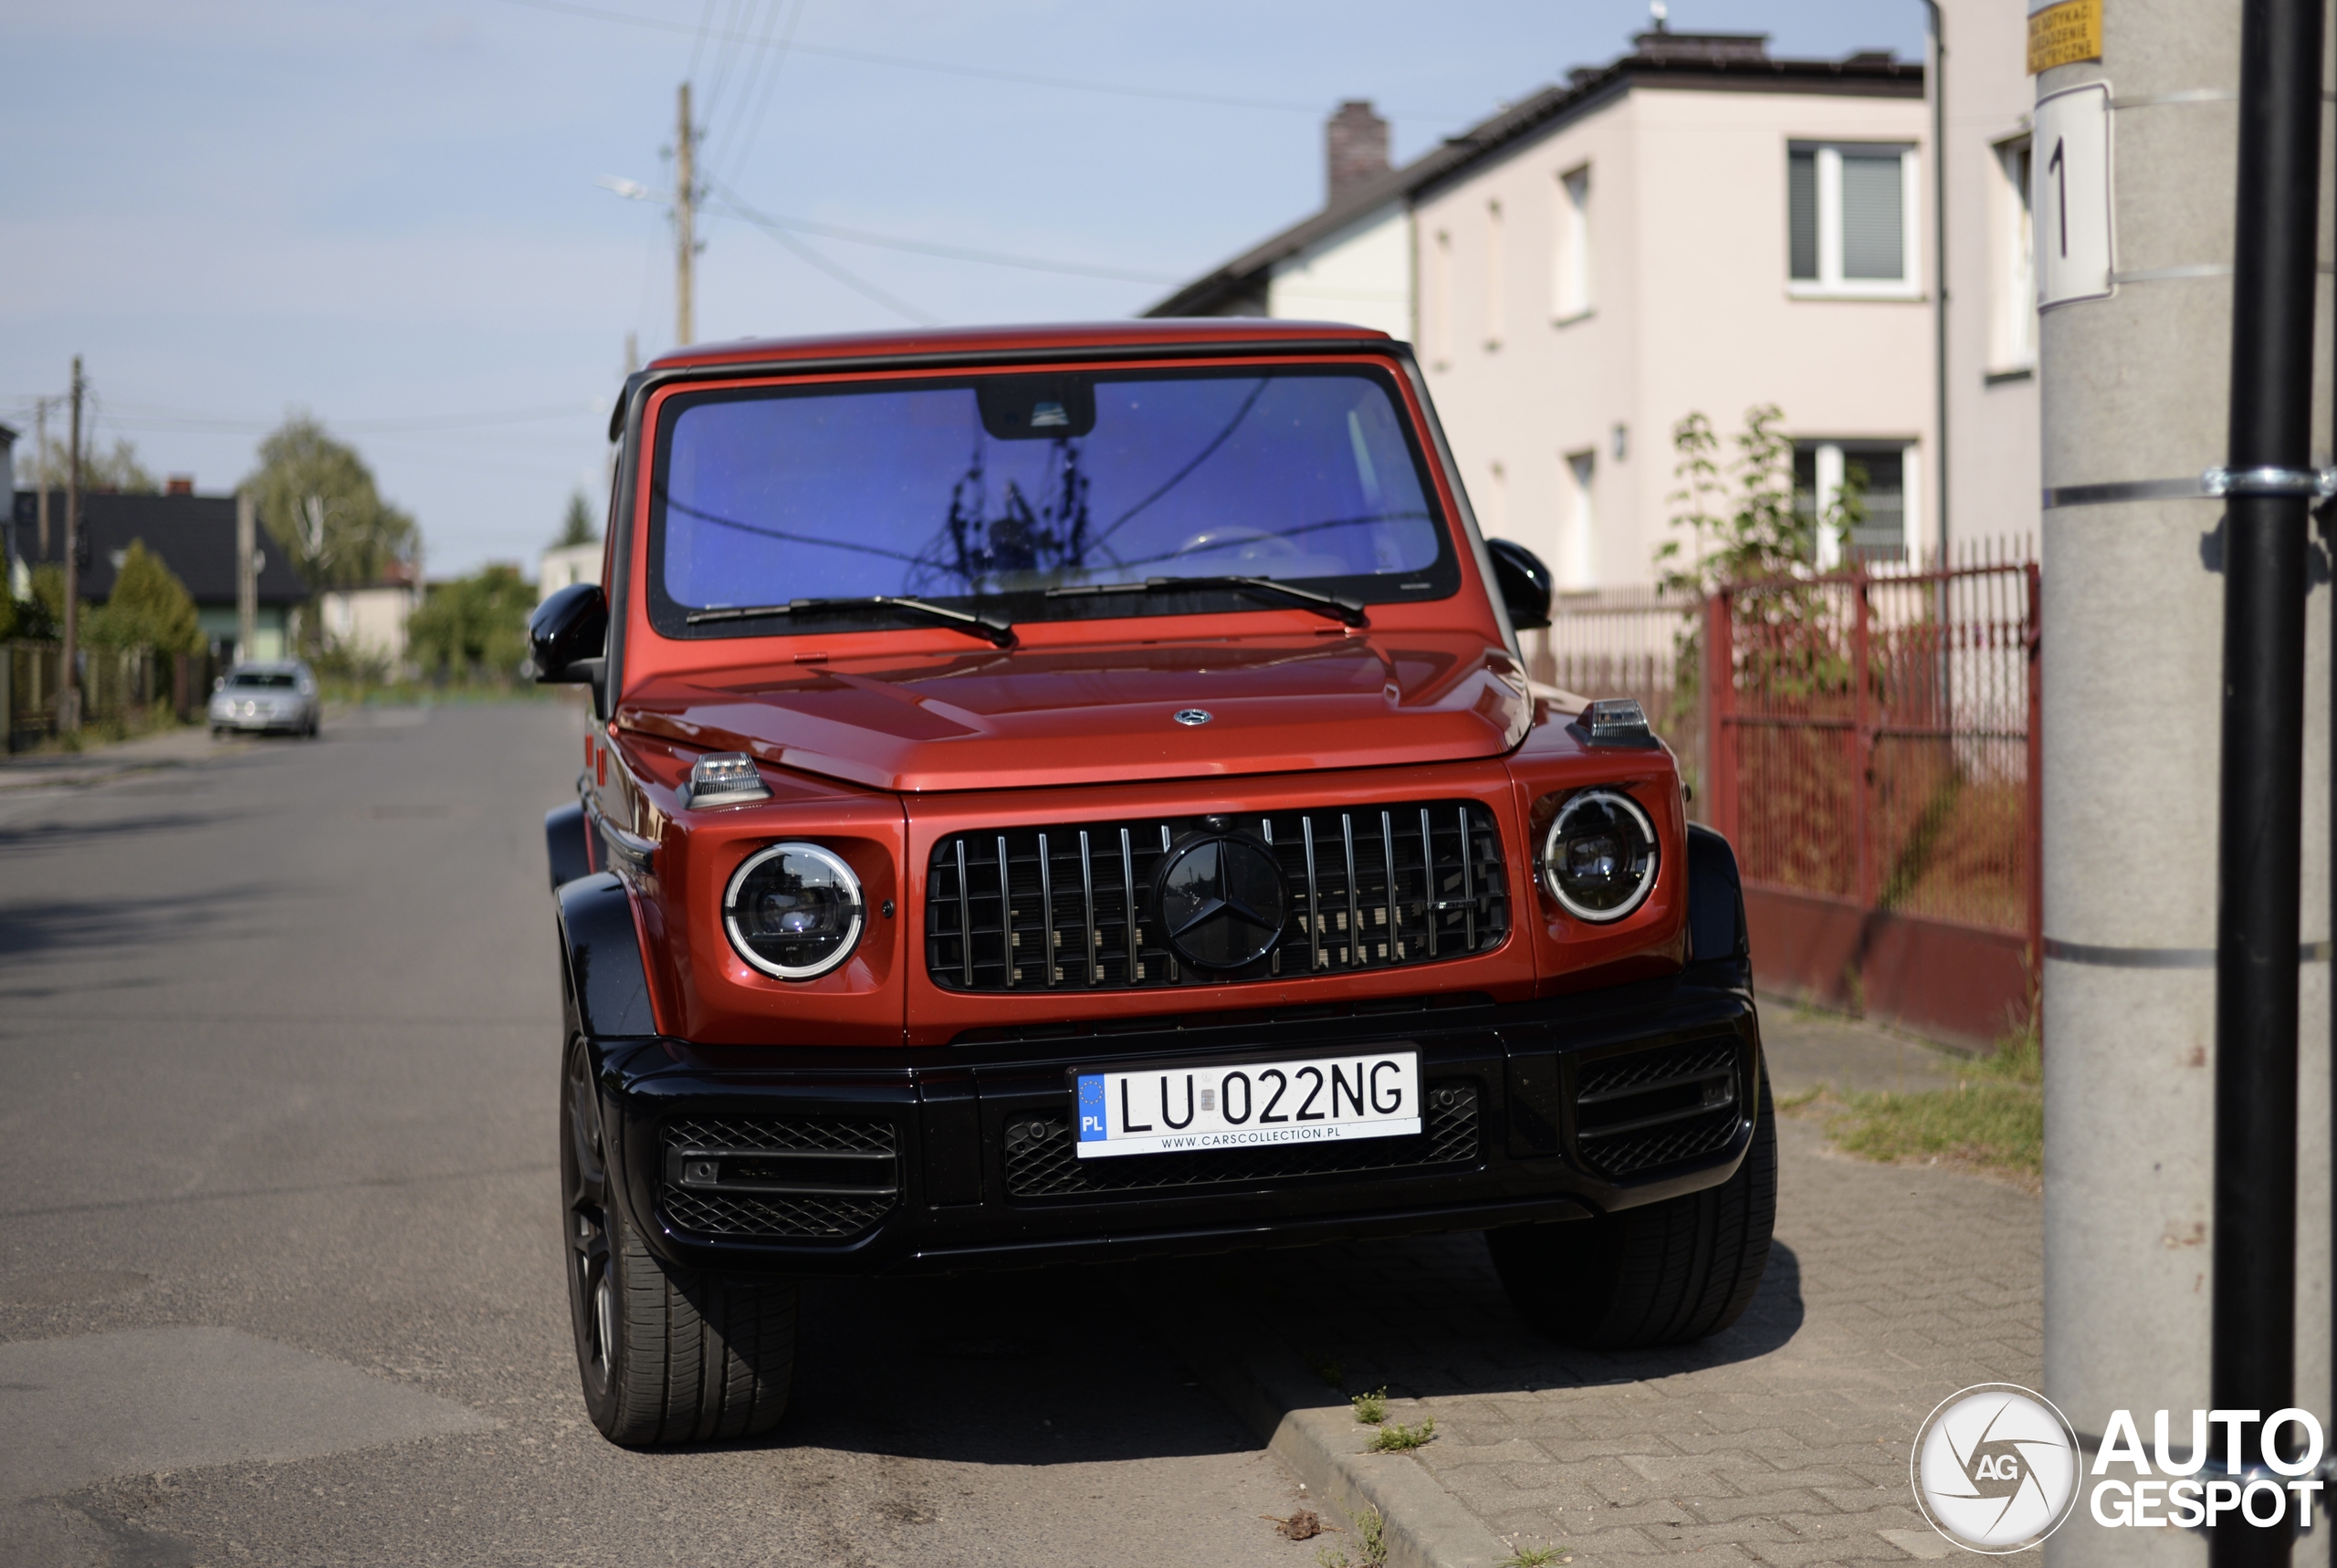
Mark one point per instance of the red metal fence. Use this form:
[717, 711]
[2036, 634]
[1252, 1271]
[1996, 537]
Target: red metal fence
[1869, 742]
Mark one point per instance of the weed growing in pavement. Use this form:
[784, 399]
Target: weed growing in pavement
[1993, 1119]
[1370, 1410]
[1535, 1557]
[1372, 1540]
[1395, 1438]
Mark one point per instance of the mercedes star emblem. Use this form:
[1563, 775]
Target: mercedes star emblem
[1192, 716]
[1222, 901]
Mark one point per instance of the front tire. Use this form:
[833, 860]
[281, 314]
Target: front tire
[1666, 1274]
[666, 1355]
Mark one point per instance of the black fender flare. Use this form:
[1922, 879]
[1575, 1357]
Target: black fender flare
[568, 843]
[1717, 932]
[601, 951]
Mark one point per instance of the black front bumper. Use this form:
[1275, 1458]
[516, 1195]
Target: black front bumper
[818, 1161]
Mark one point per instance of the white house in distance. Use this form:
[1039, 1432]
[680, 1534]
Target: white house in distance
[564, 566]
[1695, 227]
[370, 623]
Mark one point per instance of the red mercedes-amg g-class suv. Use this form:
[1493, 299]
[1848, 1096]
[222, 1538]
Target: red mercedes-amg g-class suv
[1076, 793]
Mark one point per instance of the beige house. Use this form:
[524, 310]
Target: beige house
[1995, 473]
[1695, 227]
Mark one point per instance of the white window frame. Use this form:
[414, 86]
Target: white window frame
[1571, 299]
[2012, 273]
[1830, 283]
[1831, 459]
[1578, 564]
[1496, 286]
[1439, 290]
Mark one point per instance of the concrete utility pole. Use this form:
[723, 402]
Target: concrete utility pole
[685, 227]
[246, 574]
[69, 690]
[2134, 370]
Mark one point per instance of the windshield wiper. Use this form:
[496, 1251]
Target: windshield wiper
[1001, 632]
[1342, 610]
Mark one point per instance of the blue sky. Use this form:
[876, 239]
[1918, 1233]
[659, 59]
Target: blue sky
[387, 213]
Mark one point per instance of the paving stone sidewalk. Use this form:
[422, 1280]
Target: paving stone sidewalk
[1784, 1440]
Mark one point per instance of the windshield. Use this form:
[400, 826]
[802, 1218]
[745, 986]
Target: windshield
[995, 489]
[274, 678]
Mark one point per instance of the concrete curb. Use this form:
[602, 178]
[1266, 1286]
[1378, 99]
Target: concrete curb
[1316, 1434]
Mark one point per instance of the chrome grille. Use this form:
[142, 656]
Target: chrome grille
[1071, 907]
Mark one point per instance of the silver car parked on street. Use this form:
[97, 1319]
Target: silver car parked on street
[276, 695]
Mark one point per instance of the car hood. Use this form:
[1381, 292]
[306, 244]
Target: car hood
[1003, 719]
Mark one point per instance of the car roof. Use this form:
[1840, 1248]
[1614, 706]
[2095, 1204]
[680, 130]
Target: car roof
[285, 666]
[1138, 336]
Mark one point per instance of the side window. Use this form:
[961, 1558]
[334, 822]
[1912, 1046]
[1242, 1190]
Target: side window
[1570, 281]
[1850, 219]
[2012, 281]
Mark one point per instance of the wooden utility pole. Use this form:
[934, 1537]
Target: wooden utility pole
[247, 576]
[68, 691]
[684, 225]
[40, 470]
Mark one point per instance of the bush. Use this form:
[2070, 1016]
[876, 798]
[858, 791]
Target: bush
[475, 628]
[150, 608]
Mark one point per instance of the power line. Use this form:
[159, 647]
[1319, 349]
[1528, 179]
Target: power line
[984, 73]
[923, 247]
[842, 275]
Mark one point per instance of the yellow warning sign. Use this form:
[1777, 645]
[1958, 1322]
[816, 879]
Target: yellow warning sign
[2058, 35]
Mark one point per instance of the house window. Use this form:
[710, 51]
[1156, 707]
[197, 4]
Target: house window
[1440, 298]
[1850, 219]
[1570, 282]
[1493, 249]
[1880, 470]
[2012, 278]
[1577, 531]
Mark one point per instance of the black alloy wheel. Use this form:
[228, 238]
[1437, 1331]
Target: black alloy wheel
[665, 1355]
[584, 1193]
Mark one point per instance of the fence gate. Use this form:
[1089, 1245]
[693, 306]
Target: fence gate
[1872, 751]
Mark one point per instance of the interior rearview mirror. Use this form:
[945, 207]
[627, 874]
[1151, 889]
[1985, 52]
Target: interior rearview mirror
[1524, 583]
[569, 634]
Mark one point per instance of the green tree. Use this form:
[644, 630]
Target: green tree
[475, 627]
[577, 527]
[1745, 524]
[318, 502]
[117, 471]
[150, 607]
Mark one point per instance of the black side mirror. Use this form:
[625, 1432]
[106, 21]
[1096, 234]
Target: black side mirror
[1525, 582]
[568, 635]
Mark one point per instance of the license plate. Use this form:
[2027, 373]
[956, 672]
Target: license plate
[1315, 1100]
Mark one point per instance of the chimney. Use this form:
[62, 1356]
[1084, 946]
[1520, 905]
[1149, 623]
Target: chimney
[1354, 145]
[180, 484]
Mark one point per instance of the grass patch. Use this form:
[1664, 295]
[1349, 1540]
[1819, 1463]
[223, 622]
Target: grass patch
[1397, 1439]
[1371, 1408]
[1994, 1119]
[1535, 1557]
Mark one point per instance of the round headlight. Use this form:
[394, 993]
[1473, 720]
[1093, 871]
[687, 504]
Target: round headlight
[1598, 859]
[793, 911]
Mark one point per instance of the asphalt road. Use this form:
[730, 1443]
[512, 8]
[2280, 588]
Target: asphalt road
[280, 1266]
